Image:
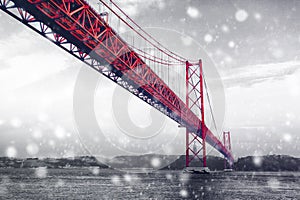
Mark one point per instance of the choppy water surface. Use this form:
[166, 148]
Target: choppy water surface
[85, 183]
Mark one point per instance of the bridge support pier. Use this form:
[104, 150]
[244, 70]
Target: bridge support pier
[195, 102]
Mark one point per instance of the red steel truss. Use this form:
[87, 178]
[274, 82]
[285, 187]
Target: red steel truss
[227, 144]
[78, 29]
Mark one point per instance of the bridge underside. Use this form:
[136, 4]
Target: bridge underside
[75, 27]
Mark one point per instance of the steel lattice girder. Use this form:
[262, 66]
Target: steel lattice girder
[81, 25]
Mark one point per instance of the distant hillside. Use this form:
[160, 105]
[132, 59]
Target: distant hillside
[141, 161]
[81, 161]
[172, 162]
[249, 163]
[268, 163]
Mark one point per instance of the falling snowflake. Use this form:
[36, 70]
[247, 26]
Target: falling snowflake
[184, 177]
[225, 28]
[115, 180]
[193, 12]
[127, 178]
[95, 170]
[1, 122]
[208, 38]
[231, 44]
[160, 4]
[42, 117]
[219, 52]
[241, 15]
[37, 134]
[155, 162]
[186, 40]
[59, 132]
[287, 137]
[11, 152]
[32, 149]
[16, 122]
[257, 160]
[122, 29]
[257, 16]
[41, 172]
[183, 193]
[228, 59]
[273, 183]
[51, 143]
[169, 176]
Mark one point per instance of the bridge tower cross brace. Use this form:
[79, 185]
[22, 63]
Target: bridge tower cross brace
[195, 102]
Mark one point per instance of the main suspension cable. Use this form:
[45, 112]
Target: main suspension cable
[169, 53]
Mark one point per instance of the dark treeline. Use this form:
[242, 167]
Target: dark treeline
[249, 163]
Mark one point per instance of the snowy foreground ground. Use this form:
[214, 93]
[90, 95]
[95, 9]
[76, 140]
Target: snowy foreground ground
[95, 183]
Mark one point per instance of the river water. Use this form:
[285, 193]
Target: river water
[94, 183]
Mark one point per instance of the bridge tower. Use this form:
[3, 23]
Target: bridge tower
[195, 102]
[227, 144]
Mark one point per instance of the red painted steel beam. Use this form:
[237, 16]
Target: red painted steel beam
[75, 18]
[203, 127]
[187, 134]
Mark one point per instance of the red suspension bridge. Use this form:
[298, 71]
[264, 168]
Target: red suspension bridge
[76, 27]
